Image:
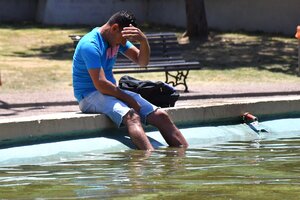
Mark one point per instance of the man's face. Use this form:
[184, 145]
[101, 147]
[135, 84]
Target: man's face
[117, 38]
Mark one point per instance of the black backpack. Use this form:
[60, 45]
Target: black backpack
[157, 93]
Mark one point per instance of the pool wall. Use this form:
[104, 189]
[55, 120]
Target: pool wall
[66, 124]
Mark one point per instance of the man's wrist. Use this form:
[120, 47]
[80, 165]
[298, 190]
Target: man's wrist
[144, 40]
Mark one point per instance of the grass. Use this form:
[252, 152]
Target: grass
[34, 57]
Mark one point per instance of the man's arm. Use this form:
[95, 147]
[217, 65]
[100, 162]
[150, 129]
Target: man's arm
[108, 88]
[140, 56]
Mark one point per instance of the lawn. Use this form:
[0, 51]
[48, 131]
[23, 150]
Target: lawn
[34, 57]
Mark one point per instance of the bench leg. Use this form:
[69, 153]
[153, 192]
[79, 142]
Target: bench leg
[180, 78]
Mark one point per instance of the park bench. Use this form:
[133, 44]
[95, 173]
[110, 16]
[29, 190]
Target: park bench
[165, 57]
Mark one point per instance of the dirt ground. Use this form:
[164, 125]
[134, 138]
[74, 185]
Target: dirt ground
[23, 104]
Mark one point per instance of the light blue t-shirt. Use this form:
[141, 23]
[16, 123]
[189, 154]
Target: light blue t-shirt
[93, 52]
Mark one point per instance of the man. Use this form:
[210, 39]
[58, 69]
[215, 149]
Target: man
[95, 86]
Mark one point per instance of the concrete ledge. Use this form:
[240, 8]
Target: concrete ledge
[78, 123]
[52, 124]
[232, 112]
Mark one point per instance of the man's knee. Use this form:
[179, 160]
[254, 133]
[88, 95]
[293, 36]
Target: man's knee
[159, 116]
[131, 118]
[162, 114]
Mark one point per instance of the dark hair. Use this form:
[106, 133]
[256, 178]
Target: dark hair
[123, 19]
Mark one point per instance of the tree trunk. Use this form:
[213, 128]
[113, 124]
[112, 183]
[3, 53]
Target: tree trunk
[196, 19]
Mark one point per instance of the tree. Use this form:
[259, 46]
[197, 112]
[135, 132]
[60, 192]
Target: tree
[196, 19]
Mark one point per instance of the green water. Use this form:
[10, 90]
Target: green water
[257, 169]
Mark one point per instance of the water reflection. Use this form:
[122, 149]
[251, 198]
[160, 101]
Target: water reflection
[237, 170]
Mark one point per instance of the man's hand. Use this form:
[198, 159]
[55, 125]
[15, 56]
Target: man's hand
[133, 104]
[132, 33]
[140, 56]
[108, 88]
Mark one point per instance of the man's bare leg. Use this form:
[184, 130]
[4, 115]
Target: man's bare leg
[136, 132]
[167, 128]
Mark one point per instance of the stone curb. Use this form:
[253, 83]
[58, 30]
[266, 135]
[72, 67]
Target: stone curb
[77, 123]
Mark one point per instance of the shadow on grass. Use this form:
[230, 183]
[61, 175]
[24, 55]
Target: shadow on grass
[30, 25]
[222, 50]
[63, 51]
[262, 51]
[54, 52]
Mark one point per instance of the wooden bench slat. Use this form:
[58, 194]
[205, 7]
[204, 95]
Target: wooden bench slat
[154, 59]
[157, 69]
[128, 71]
[155, 64]
[161, 65]
[165, 54]
[166, 45]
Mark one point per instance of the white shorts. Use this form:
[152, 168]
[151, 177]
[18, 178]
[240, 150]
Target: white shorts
[114, 108]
